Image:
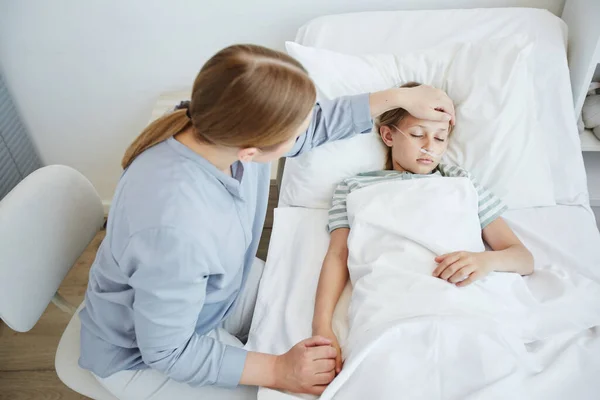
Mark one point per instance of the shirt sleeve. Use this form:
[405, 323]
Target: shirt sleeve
[489, 205]
[338, 215]
[168, 274]
[333, 120]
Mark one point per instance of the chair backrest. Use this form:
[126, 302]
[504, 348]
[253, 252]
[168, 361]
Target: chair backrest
[46, 222]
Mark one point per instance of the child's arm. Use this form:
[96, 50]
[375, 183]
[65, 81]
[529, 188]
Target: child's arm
[334, 275]
[509, 255]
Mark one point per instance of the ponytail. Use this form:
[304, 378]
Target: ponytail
[159, 130]
[244, 96]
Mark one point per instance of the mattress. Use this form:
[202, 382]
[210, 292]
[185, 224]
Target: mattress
[564, 236]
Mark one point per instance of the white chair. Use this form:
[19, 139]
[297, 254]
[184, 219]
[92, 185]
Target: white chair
[46, 222]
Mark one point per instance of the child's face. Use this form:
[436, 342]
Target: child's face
[420, 134]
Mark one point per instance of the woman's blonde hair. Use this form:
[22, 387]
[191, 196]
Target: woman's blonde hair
[244, 96]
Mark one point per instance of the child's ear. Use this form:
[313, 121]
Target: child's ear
[386, 135]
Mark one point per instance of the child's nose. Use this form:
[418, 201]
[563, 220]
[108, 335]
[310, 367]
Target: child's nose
[428, 142]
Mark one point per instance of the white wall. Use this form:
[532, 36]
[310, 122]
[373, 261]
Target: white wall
[85, 74]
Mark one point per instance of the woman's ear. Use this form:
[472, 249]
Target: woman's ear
[247, 154]
[386, 135]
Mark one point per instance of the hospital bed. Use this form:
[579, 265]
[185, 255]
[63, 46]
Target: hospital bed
[560, 232]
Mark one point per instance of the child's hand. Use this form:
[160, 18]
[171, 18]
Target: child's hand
[461, 268]
[328, 334]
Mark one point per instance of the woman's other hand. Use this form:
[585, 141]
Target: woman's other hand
[308, 367]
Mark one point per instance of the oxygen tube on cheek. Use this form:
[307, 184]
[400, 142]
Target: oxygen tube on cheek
[422, 150]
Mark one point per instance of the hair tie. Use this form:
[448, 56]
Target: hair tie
[184, 104]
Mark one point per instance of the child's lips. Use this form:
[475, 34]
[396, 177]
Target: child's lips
[426, 161]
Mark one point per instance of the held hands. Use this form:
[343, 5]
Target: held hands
[462, 268]
[308, 367]
[327, 333]
[427, 102]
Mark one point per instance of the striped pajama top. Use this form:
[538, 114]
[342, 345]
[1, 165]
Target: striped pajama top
[490, 206]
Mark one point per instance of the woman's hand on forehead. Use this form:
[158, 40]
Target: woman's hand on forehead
[429, 103]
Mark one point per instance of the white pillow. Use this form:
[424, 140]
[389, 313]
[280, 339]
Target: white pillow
[496, 137]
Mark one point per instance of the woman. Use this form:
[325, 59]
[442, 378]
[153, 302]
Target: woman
[174, 282]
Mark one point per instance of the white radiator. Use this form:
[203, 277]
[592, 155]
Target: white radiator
[18, 157]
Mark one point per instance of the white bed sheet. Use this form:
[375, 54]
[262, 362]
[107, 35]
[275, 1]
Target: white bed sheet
[560, 235]
[400, 32]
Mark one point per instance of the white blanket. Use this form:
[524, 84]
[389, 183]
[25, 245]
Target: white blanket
[424, 338]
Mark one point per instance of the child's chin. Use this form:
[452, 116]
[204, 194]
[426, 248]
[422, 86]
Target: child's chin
[424, 169]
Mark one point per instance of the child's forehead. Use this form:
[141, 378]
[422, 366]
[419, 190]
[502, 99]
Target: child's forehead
[409, 122]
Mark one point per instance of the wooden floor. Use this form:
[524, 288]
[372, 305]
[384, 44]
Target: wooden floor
[27, 359]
